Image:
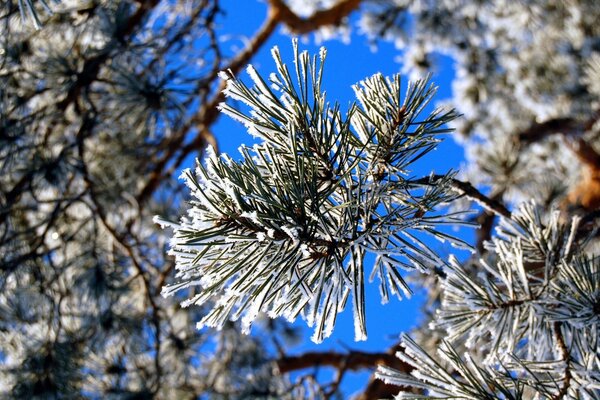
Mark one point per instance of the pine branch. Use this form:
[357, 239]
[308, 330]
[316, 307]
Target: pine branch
[566, 126]
[122, 241]
[298, 214]
[206, 116]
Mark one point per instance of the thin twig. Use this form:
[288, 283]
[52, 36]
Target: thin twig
[353, 360]
[467, 189]
[297, 25]
[564, 353]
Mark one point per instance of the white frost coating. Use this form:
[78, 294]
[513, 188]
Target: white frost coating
[251, 314]
[163, 223]
[270, 102]
[322, 53]
[261, 236]
[275, 53]
[233, 114]
[260, 84]
[225, 75]
[292, 232]
[305, 250]
[252, 216]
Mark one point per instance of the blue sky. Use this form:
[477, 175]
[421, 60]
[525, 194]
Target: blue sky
[347, 63]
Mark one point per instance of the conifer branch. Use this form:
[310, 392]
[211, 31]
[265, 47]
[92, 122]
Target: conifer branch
[306, 198]
[122, 241]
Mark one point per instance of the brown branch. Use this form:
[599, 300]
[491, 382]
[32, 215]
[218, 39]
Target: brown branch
[299, 26]
[585, 153]
[486, 220]
[378, 389]
[488, 203]
[539, 131]
[587, 192]
[353, 360]
[205, 117]
[13, 195]
[566, 126]
[564, 352]
[467, 189]
[162, 278]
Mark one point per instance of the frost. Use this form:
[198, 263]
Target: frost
[292, 232]
[261, 237]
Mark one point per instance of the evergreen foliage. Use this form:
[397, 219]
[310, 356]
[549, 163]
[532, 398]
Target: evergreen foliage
[529, 315]
[286, 230]
[102, 101]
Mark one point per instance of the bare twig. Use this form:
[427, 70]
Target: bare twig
[331, 16]
[353, 360]
[564, 352]
[467, 189]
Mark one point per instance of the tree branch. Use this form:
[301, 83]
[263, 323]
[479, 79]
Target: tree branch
[299, 26]
[378, 389]
[564, 352]
[566, 126]
[353, 360]
[206, 115]
[122, 242]
[466, 189]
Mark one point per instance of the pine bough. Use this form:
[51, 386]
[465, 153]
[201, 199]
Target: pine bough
[286, 229]
[528, 321]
